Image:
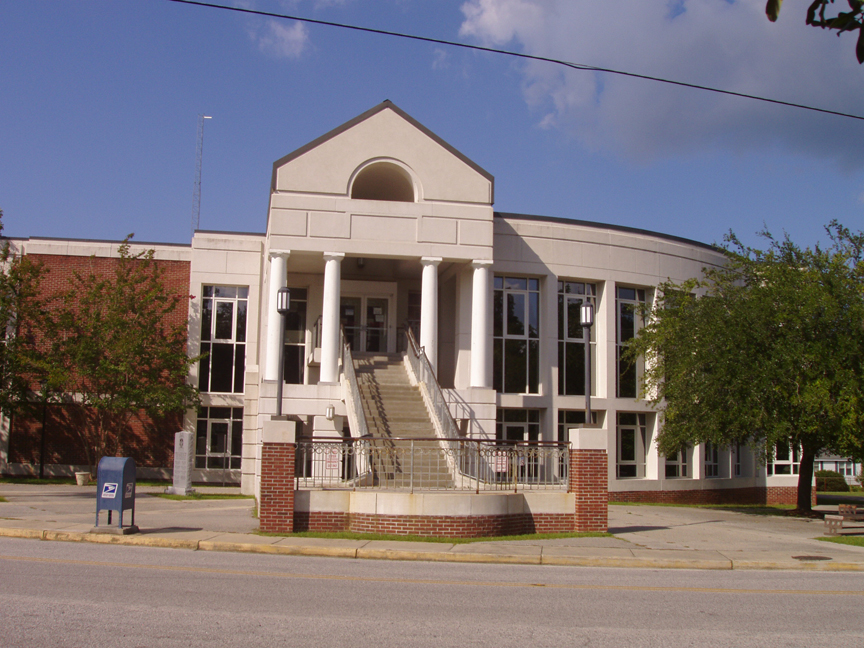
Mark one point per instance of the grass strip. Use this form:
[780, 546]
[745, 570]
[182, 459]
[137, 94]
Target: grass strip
[855, 541]
[350, 535]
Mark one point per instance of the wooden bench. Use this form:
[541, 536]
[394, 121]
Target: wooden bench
[834, 523]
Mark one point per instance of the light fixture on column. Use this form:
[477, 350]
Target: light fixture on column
[586, 315]
[330, 412]
[283, 304]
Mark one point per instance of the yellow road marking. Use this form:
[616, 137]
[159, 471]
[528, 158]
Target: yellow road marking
[424, 581]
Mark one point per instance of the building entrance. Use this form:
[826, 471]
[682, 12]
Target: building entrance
[366, 322]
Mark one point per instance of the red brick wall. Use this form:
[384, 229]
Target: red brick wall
[750, 495]
[589, 474]
[276, 504]
[435, 526]
[150, 443]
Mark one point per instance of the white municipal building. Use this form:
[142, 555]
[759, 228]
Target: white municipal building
[380, 227]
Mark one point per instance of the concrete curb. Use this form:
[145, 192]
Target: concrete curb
[429, 556]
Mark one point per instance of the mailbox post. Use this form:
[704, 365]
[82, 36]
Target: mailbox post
[115, 492]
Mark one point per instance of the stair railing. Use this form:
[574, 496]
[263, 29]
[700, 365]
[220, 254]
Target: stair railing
[439, 410]
[351, 392]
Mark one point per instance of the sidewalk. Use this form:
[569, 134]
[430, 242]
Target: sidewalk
[644, 536]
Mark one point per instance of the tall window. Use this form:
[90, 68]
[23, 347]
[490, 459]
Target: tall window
[627, 303]
[219, 442]
[736, 458]
[571, 343]
[632, 444]
[223, 339]
[712, 460]
[295, 337]
[676, 463]
[785, 460]
[516, 346]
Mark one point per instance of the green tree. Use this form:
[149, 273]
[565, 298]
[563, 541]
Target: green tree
[844, 21]
[22, 362]
[117, 351]
[767, 350]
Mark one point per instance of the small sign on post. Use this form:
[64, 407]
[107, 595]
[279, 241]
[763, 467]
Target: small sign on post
[184, 462]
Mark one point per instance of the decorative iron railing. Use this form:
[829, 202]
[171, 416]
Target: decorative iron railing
[426, 464]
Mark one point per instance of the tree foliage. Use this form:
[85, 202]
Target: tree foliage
[22, 363]
[843, 21]
[117, 354]
[766, 350]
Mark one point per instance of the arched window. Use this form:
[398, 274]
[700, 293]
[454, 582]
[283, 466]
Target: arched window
[383, 181]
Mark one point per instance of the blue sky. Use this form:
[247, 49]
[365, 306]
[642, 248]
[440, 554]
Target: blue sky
[101, 97]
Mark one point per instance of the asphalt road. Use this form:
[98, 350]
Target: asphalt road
[64, 594]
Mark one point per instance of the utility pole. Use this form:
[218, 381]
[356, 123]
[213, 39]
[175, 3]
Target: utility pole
[196, 196]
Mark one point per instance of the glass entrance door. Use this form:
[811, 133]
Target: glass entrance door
[365, 322]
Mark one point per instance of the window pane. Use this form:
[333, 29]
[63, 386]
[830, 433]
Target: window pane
[515, 283]
[627, 324]
[241, 322]
[628, 445]
[574, 317]
[222, 368]
[243, 293]
[237, 438]
[206, 318]
[626, 379]
[224, 320]
[515, 366]
[204, 368]
[226, 291]
[534, 315]
[575, 385]
[626, 293]
[239, 368]
[498, 307]
[533, 284]
[498, 365]
[218, 437]
[294, 364]
[533, 366]
[515, 314]
[627, 470]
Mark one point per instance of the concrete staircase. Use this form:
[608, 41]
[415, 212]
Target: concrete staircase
[395, 410]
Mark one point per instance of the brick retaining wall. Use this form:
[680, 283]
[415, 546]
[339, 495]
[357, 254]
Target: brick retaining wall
[751, 495]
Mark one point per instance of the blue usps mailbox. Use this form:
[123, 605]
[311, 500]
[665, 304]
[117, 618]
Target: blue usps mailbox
[116, 492]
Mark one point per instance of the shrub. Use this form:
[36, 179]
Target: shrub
[828, 480]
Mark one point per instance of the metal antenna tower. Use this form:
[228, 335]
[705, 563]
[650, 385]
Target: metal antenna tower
[196, 195]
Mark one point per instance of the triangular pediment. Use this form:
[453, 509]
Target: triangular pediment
[328, 164]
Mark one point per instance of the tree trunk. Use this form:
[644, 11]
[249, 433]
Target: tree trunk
[805, 479]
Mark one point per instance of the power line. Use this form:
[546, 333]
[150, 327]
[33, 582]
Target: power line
[531, 57]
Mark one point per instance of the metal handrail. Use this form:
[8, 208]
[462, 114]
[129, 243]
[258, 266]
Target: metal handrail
[351, 390]
[424, 373]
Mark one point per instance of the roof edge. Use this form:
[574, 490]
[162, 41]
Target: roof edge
[618, 228]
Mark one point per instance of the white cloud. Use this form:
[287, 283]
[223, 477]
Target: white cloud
[722, 43]
[280, 39]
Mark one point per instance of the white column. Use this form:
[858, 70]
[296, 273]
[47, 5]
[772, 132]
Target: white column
[481, 328]
[278, 279]
[429, 310]
[330, 317]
